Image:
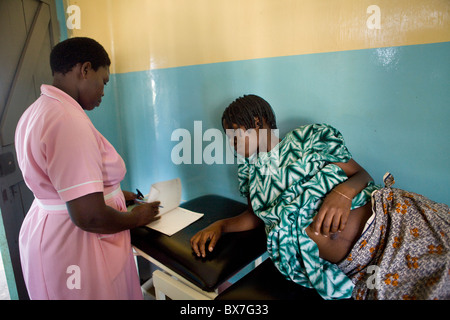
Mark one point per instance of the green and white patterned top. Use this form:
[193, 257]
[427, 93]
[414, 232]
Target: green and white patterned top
[286, 187]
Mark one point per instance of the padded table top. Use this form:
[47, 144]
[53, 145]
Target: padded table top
[233, 251]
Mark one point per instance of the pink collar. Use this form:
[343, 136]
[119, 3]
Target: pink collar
[61, 96]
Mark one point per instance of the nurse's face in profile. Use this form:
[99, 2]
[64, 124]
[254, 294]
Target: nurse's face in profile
[91, 86]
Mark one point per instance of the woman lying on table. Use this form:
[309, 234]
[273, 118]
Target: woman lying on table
[324, 230]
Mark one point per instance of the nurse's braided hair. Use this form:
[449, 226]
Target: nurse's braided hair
[245, 109]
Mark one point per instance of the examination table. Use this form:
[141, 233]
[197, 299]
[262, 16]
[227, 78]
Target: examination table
[183, 275]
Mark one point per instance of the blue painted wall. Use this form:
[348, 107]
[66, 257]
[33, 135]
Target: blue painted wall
[391, 104]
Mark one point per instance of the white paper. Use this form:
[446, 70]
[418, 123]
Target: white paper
[174, 221]
[166, 192]
[173, 218]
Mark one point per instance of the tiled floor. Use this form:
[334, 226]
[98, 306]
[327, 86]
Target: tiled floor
[4, 293]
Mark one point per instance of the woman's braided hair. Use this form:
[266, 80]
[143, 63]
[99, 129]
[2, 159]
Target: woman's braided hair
[245, 109]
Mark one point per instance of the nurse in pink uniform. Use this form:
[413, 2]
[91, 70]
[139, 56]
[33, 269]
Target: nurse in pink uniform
[75, 241]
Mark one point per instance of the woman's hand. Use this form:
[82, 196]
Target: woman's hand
[129, 196]
[247, 220]
[212, 233]
[333, 214]
[146, 213]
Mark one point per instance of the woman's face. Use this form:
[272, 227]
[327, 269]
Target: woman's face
[91, 88]
[245, 142]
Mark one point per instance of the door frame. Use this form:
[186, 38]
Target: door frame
[15, 197]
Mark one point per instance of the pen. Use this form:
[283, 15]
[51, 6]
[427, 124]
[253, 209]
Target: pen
[139, 194]
[143, 201]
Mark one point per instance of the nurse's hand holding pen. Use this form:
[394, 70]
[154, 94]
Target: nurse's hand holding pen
[147, 212]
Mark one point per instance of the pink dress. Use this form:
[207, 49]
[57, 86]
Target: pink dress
[63, 157]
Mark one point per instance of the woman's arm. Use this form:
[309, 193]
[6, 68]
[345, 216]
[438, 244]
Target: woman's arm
[333, 213]
[358, 178]
[91, 214]
[243, 222]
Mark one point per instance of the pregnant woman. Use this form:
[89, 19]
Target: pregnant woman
[328, 226]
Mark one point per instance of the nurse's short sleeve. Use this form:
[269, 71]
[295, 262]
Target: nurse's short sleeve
[74, 160]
